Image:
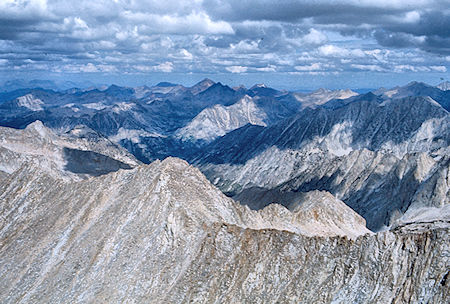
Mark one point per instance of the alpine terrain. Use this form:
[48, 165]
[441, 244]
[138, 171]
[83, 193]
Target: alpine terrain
[214, 194]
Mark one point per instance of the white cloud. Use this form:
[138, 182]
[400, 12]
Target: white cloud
[368, 67]
[330, 50]
[194, 23]
[311, 67]
[236, 69]
[89, 68]
[23, 9]
[269, 68]
[439, 68]
[185, 54]
[412, 17]
[245, 46]
[165, 67]
[137, 36]
[407, 67]
[315, 37]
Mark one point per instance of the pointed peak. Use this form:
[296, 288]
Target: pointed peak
[444, 86]
[416, 84]
[246, 98]
[219, 85]
[38, 127]
[321, 90]
[37, 124]
[258, 85]
[202, 86]
[206, 81]
[240, 87]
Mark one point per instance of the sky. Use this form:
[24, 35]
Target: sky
[286, 44]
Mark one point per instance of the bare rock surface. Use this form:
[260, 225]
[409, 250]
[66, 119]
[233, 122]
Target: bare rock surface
[83, 150]
[161, 233]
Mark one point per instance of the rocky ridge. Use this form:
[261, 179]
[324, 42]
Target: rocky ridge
[77, 154]
[162, 233]
[368, 153]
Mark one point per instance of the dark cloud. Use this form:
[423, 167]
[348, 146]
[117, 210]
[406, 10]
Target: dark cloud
[218, 36]
[349, 11]
[407, 20]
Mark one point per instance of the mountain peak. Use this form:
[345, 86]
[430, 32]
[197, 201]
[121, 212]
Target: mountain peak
[217, 87]
[206, 81]
[444, 86]
[166, 84]
[201, 86]
[38, 126]
[259, 85]
[417, 84]
[322, 90]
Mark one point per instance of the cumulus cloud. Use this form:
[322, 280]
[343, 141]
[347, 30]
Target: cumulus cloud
[330, 50]
[225, 36]
[311, 67]
[237, 69]
[315, 37]
[165, 67]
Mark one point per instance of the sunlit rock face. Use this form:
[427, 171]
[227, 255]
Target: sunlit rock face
[334, 197]
[78, 154]
[161, 233]
[381, 157]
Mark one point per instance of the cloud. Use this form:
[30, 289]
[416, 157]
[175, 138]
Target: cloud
[311, 67]
[194, 23]
[315, 37]
[269, 68]
[330, 50]
[165, 67]
[368, 67]
[236, 69]
[225, 36]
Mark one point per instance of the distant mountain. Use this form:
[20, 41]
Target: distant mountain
[444, 86]
[305, 144]
[321, 96]
[417, 89]
[263, 91]
[335, 197]
[201, 86]
[218, 120]
[17, 84]
[260, 139]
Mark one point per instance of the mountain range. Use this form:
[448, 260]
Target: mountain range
[320, 197]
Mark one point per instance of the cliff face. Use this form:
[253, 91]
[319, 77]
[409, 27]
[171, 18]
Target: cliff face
[163, 234]
[266, 266]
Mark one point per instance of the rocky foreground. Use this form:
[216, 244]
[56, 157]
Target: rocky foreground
[161, 233]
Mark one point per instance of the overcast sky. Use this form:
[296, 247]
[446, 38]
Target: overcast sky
[284, 43]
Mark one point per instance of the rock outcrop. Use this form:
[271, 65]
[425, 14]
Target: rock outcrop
[163, 234]
[77, 154]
